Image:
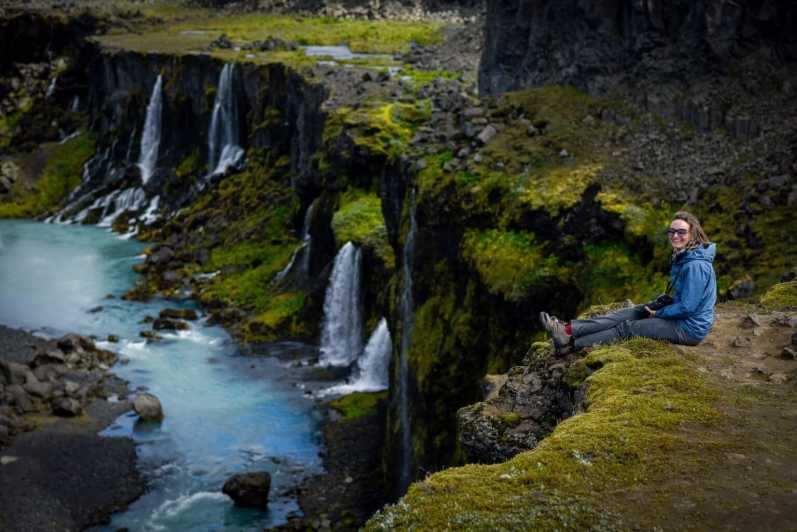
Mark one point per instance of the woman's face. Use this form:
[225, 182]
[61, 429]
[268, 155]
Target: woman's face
[678, 234]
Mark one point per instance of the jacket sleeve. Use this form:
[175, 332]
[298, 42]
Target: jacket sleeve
[693, 286]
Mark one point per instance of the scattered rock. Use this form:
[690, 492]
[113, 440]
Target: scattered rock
[161, 324]
[759, 370]
[151, 336]
[51, 356]
[178, 314]
[249, 489]
[113, 338]
[148, 407]
[742, 288]
[222, 42]
[742, 341]
[788, 353]
[487, 134]
[67, 407]
[751, 320]
[779, 378]
[95, 310]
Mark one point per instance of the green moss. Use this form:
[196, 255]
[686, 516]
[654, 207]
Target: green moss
[782, 296]
[190, 165]
[641, 219]
[613, 272]
[510, 419]
[644, 410]
[60, 176]
[762, 244]
[376, 127]
[278, 317]
[359, 404]
[360, 220]
[510, 263]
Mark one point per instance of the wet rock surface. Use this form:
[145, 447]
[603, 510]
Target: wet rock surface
[249, 489]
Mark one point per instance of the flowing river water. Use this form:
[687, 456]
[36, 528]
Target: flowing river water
[225, 413]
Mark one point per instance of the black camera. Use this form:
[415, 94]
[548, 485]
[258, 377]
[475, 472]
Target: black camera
[660, 302]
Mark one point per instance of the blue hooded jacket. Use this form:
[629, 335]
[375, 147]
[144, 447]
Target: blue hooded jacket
[694, 291]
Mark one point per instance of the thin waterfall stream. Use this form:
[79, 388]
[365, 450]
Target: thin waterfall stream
[406, 306]
[341, 335]
[225, 413]
[224, 150]
[151, 134]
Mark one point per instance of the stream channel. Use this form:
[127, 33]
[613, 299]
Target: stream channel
[225, 413]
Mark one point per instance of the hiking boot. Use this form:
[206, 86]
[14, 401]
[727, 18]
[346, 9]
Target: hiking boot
[561, 340]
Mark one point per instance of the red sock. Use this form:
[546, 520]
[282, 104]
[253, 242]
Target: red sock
[569, 329]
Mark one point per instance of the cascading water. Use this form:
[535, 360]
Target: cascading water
[301, 255]
[51, 88]
[371, 374]
[224, 150]
[405, 471]
[151, 136]
[341, 336]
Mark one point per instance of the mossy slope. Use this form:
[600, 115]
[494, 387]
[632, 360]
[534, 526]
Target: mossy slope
[652, 436]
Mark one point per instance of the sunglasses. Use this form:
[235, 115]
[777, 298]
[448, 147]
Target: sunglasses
[680, 232]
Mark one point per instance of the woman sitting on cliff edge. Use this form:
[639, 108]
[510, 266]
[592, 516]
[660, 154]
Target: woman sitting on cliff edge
[686, 320]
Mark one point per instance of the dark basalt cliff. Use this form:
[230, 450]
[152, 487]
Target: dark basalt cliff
[594, 44]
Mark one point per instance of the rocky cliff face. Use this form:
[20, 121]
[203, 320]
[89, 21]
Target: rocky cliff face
[593, 44]
[670, 55]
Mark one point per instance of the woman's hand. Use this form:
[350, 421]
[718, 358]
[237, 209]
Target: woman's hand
[651, 313]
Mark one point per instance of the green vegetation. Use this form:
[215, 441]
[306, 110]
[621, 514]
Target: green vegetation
[60, 176]
[612, 272]
[782, 296]
[646, 407]
[762, 245]
[377, 127]
[510, 263]
[184, 30]
[359, 404]
[360, 220]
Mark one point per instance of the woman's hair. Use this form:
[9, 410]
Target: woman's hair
[697, 236]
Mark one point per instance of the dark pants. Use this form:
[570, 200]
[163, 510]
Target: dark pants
[627, 323]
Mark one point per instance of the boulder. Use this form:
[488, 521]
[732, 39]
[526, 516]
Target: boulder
[487, 134]
[13, 373]
[742, 288]
[148, 407]
[42, 390]
[51, 356]
[170, 325]
[178, 314]
[67, 407]
[74, 343]
[249, 489]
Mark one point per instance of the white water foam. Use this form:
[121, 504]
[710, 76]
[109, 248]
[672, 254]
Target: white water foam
[341, 336]
[371, 374]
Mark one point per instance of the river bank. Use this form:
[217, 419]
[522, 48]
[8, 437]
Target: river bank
[58, 473]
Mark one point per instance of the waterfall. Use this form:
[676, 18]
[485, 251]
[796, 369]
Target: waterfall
[75, 107]
[301, 255]
[51, 88]
[223, 144]
[151, 136]
[341, 336]
[371, 374]
[405, 472]
[120, 201]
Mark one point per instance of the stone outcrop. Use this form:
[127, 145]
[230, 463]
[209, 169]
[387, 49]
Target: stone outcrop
[249, 489]
[526, 407]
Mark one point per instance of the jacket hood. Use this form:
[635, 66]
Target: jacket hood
[705, 253]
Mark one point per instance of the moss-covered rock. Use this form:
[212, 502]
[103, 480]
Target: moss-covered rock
[359, 220]
[359, 404]
[782, 296]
